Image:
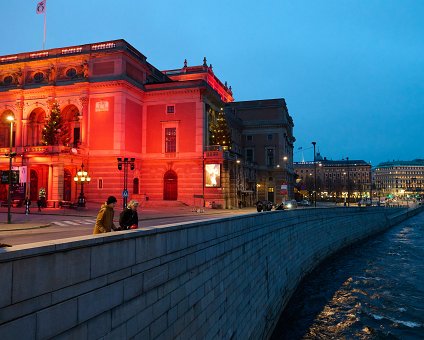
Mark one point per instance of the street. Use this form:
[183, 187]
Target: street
[59, 224]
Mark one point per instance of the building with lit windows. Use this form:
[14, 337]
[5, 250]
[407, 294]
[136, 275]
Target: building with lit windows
[334, 178]
[400, 178]
[188, 138]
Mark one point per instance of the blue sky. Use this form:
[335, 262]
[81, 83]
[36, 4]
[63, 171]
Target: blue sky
[351, 71]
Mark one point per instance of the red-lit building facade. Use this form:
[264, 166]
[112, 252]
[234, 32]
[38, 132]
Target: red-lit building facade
[116, 104]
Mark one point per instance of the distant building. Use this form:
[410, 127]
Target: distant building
[400, 178]
[189, 140]
[334, 178]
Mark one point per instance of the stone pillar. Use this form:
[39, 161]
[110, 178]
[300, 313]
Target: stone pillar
[19, 122]
[84, 118]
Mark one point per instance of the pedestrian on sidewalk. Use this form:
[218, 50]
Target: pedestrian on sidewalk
[27, 203]
[104, 220]
[128, 219]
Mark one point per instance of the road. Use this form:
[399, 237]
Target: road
[54, 227]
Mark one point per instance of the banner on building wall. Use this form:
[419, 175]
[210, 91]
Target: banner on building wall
[22, 173]
[212, 175]
[5, 177]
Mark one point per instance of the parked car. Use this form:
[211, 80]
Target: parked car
[304, 203]
[364, 202]
[289, 204]
[264, 205]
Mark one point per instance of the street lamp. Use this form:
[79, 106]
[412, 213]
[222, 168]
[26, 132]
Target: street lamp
[11, 154]
[315, 176]
[82, 177]
[125, 162]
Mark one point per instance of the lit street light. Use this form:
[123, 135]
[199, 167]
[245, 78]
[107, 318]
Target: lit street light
[82, 177]
[125, 162]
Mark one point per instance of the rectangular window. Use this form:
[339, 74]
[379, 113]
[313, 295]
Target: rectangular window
[170, 140]
[269, 137]
[249, 138]
[249, 155]
[100, 183]
[270, 157]
[170, 109]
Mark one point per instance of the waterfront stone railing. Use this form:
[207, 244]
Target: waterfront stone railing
[226, 278]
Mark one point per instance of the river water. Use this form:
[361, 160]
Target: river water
[374, 290]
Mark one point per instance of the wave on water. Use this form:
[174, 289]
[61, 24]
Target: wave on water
[409, 324]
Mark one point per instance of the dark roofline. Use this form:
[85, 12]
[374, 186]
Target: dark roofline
[104, 46]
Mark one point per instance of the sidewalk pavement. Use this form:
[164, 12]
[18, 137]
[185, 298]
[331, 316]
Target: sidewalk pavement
[20, 221]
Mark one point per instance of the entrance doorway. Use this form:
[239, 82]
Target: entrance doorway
[67, 183]
[33, 193]
[170, 186]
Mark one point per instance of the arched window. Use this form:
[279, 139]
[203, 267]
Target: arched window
[70, 116]
[5, 129]
[35, 125]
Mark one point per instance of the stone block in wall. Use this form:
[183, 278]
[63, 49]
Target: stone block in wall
[99, 326]
[23, 328]
[112, 256]
[151, 246]
[57, 319]
[5, 284]
[155, 277]
[99, 301]
[42, 274]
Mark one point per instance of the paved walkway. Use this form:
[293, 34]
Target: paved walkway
[35, 219]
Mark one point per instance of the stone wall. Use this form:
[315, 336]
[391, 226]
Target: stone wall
[223, 278]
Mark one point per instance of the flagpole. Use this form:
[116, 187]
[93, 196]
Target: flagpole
[44, 38]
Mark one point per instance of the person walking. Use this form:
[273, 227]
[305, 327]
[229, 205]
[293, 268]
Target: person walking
[104, 220]
[27, 203]
[128, 218]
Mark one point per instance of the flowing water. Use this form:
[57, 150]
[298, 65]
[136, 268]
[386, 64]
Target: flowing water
[374, 290]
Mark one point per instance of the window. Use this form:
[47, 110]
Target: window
[269, 137]
[249, 155]
[270, 157]
[170, 109]
[7, 80]
[249, 138]
[135, 186]
[39, 77]
[71, 72]
[100, 183]
[170, 140]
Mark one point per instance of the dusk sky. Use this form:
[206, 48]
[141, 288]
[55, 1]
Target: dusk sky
[351, 71]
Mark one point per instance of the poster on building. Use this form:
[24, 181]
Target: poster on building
[22, 173]
[5, 177]
[283, 189]
[212, 175]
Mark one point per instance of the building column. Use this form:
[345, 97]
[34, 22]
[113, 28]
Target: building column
[19, 122]
[84, 118]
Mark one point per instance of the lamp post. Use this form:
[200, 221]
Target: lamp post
[82, 177]
[315, 176]
[124, 162]
[11, 155]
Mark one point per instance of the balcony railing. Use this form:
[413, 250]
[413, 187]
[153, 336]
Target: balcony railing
[39, 149]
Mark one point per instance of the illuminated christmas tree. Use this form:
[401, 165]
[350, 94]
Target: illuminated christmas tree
[55, 130]
[219, 131]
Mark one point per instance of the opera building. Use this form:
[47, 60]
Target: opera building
[101, 120]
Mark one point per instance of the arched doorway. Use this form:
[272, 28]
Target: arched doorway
[67, 185]
[33, 193]
[170, 186]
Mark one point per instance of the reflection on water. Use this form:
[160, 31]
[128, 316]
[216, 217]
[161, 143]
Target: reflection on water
[374, 290]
